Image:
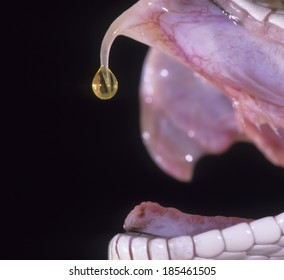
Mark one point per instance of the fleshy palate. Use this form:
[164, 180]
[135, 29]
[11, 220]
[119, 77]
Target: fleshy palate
[213, 76]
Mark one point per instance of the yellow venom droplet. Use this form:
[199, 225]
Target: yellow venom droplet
[104, 84]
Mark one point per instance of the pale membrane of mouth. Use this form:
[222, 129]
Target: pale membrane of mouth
[262, 21]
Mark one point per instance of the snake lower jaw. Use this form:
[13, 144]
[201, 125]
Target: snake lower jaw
[166, 233]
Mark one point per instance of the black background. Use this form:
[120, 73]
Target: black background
[74, 166]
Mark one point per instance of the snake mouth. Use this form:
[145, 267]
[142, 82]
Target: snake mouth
[202, 89]
[156, 232]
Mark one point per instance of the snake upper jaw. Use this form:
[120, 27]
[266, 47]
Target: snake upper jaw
[208, 82]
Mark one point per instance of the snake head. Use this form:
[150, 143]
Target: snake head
[213, 76]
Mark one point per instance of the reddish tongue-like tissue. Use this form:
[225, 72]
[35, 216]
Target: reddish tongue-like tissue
[151, 218]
